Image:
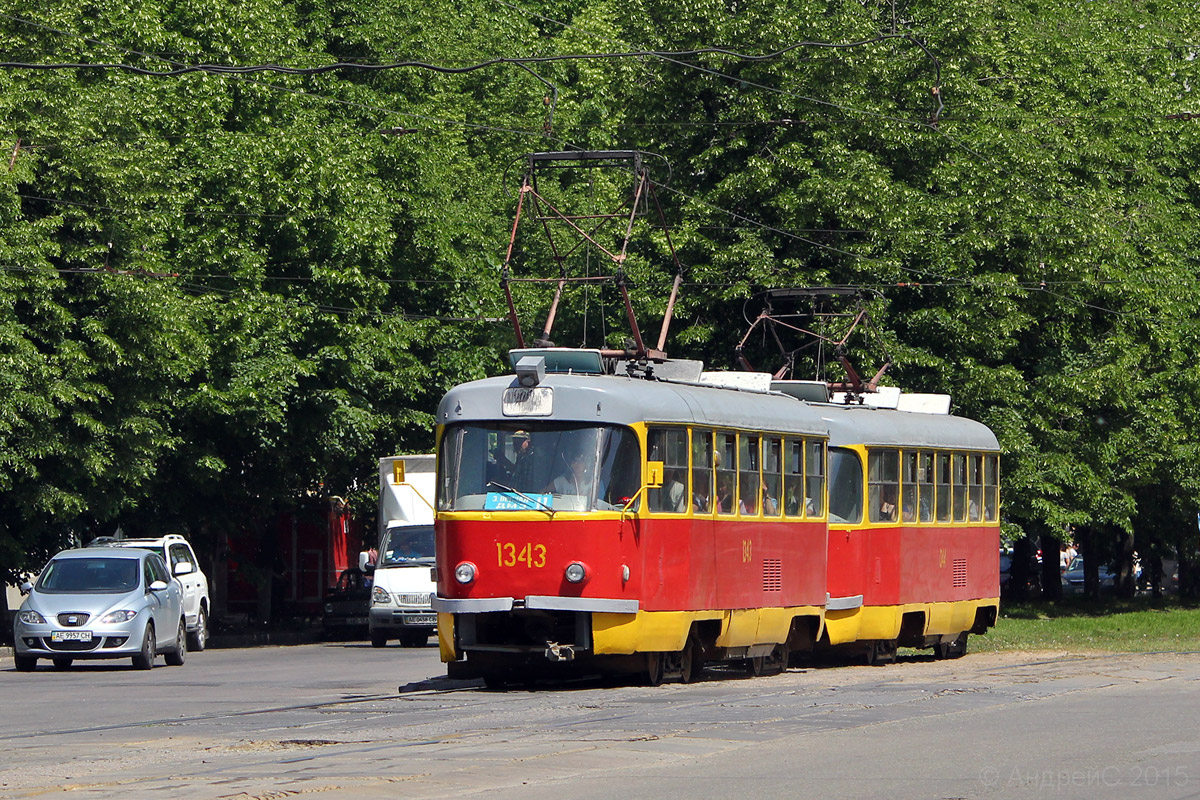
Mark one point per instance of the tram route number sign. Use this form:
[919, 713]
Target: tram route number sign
[528, 401]
[508, 501]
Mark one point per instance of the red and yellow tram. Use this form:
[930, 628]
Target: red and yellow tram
[601, 522]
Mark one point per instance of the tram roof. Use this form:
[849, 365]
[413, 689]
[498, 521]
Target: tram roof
[889, 428]
[623, 400]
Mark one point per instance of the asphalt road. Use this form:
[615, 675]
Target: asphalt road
[347, 720]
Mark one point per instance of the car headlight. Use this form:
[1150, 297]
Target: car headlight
[31, 618]
[380, 597]
[112, 617]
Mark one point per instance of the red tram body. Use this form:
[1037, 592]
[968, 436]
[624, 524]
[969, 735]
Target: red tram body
[623, 524]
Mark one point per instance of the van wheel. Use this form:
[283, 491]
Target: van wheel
[418, 639]
[378, 639]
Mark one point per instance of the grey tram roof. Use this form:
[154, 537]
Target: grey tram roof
[623, 400]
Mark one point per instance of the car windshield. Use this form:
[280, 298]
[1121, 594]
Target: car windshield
[406, 544]
[543, 466]
[89, 576]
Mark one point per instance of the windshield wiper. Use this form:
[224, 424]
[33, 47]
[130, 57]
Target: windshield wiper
[540, 505]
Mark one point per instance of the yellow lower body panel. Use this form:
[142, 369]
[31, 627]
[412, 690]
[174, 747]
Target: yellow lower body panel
[667, 631]
[883, 622]
[445, 633]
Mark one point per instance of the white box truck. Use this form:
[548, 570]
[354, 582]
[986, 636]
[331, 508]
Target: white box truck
[402, 570]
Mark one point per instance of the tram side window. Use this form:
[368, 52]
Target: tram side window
[669, 445]
[749, 486]
[974, 488]
[845, 486]
[991, 486]
[772, 474]
[702, 472]
[793, 477]
[908, 486]
[883, 484]
[925, 487]
[960, 487]
[943, 487]
[726, 461]
[814, 481]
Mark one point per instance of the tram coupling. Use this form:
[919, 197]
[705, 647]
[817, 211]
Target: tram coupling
[560, 652]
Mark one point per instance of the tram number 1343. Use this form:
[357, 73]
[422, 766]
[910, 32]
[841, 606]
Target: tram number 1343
[529, 555]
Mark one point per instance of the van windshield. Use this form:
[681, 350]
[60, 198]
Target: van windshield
[406, 544]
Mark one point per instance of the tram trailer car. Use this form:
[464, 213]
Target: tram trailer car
[615, 524]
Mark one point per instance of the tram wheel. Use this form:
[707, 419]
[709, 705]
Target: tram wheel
[691, 661]
[953, 649]
[652, 673]
[881, 651]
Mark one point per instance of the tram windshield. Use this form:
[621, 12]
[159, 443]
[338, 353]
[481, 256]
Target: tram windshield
[539, 466]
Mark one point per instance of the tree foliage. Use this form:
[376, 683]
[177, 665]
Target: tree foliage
[224, 292]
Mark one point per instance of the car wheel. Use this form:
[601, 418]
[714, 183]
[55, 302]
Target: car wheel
[176, 657]
[25, 663]
[63, 663]
[145, 659]
[198, 639]
[378, 639]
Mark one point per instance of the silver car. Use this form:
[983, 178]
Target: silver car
[101, 602]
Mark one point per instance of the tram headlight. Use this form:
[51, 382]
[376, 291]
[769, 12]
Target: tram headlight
[576, 572]
[465, 572]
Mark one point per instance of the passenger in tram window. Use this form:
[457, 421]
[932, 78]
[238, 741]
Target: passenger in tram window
[887, 504]
[769, 504]
[674, 492]
[522, 468]
[724, 493]
[748, 494]
[909, 512]
[577, 479]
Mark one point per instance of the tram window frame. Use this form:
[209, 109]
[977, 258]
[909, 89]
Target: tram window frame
[845, 486]
[944, 484]
[991, 487]
[926, 486]
[908, 485]
[749, 474]
[814, 477]
[702, 471]
[670, 446]
[883, 484]
[772, 476]
[974, 487]
[725, 470]
[793, 477]
[958, 475]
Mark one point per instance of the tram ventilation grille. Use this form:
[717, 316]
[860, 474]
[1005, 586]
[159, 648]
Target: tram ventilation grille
[772, 575]
[960, 573]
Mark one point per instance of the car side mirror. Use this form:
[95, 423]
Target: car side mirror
[184, 568]
[26, 587]
[158, 586]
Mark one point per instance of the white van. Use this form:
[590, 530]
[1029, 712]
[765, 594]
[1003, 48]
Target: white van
[402, 572]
